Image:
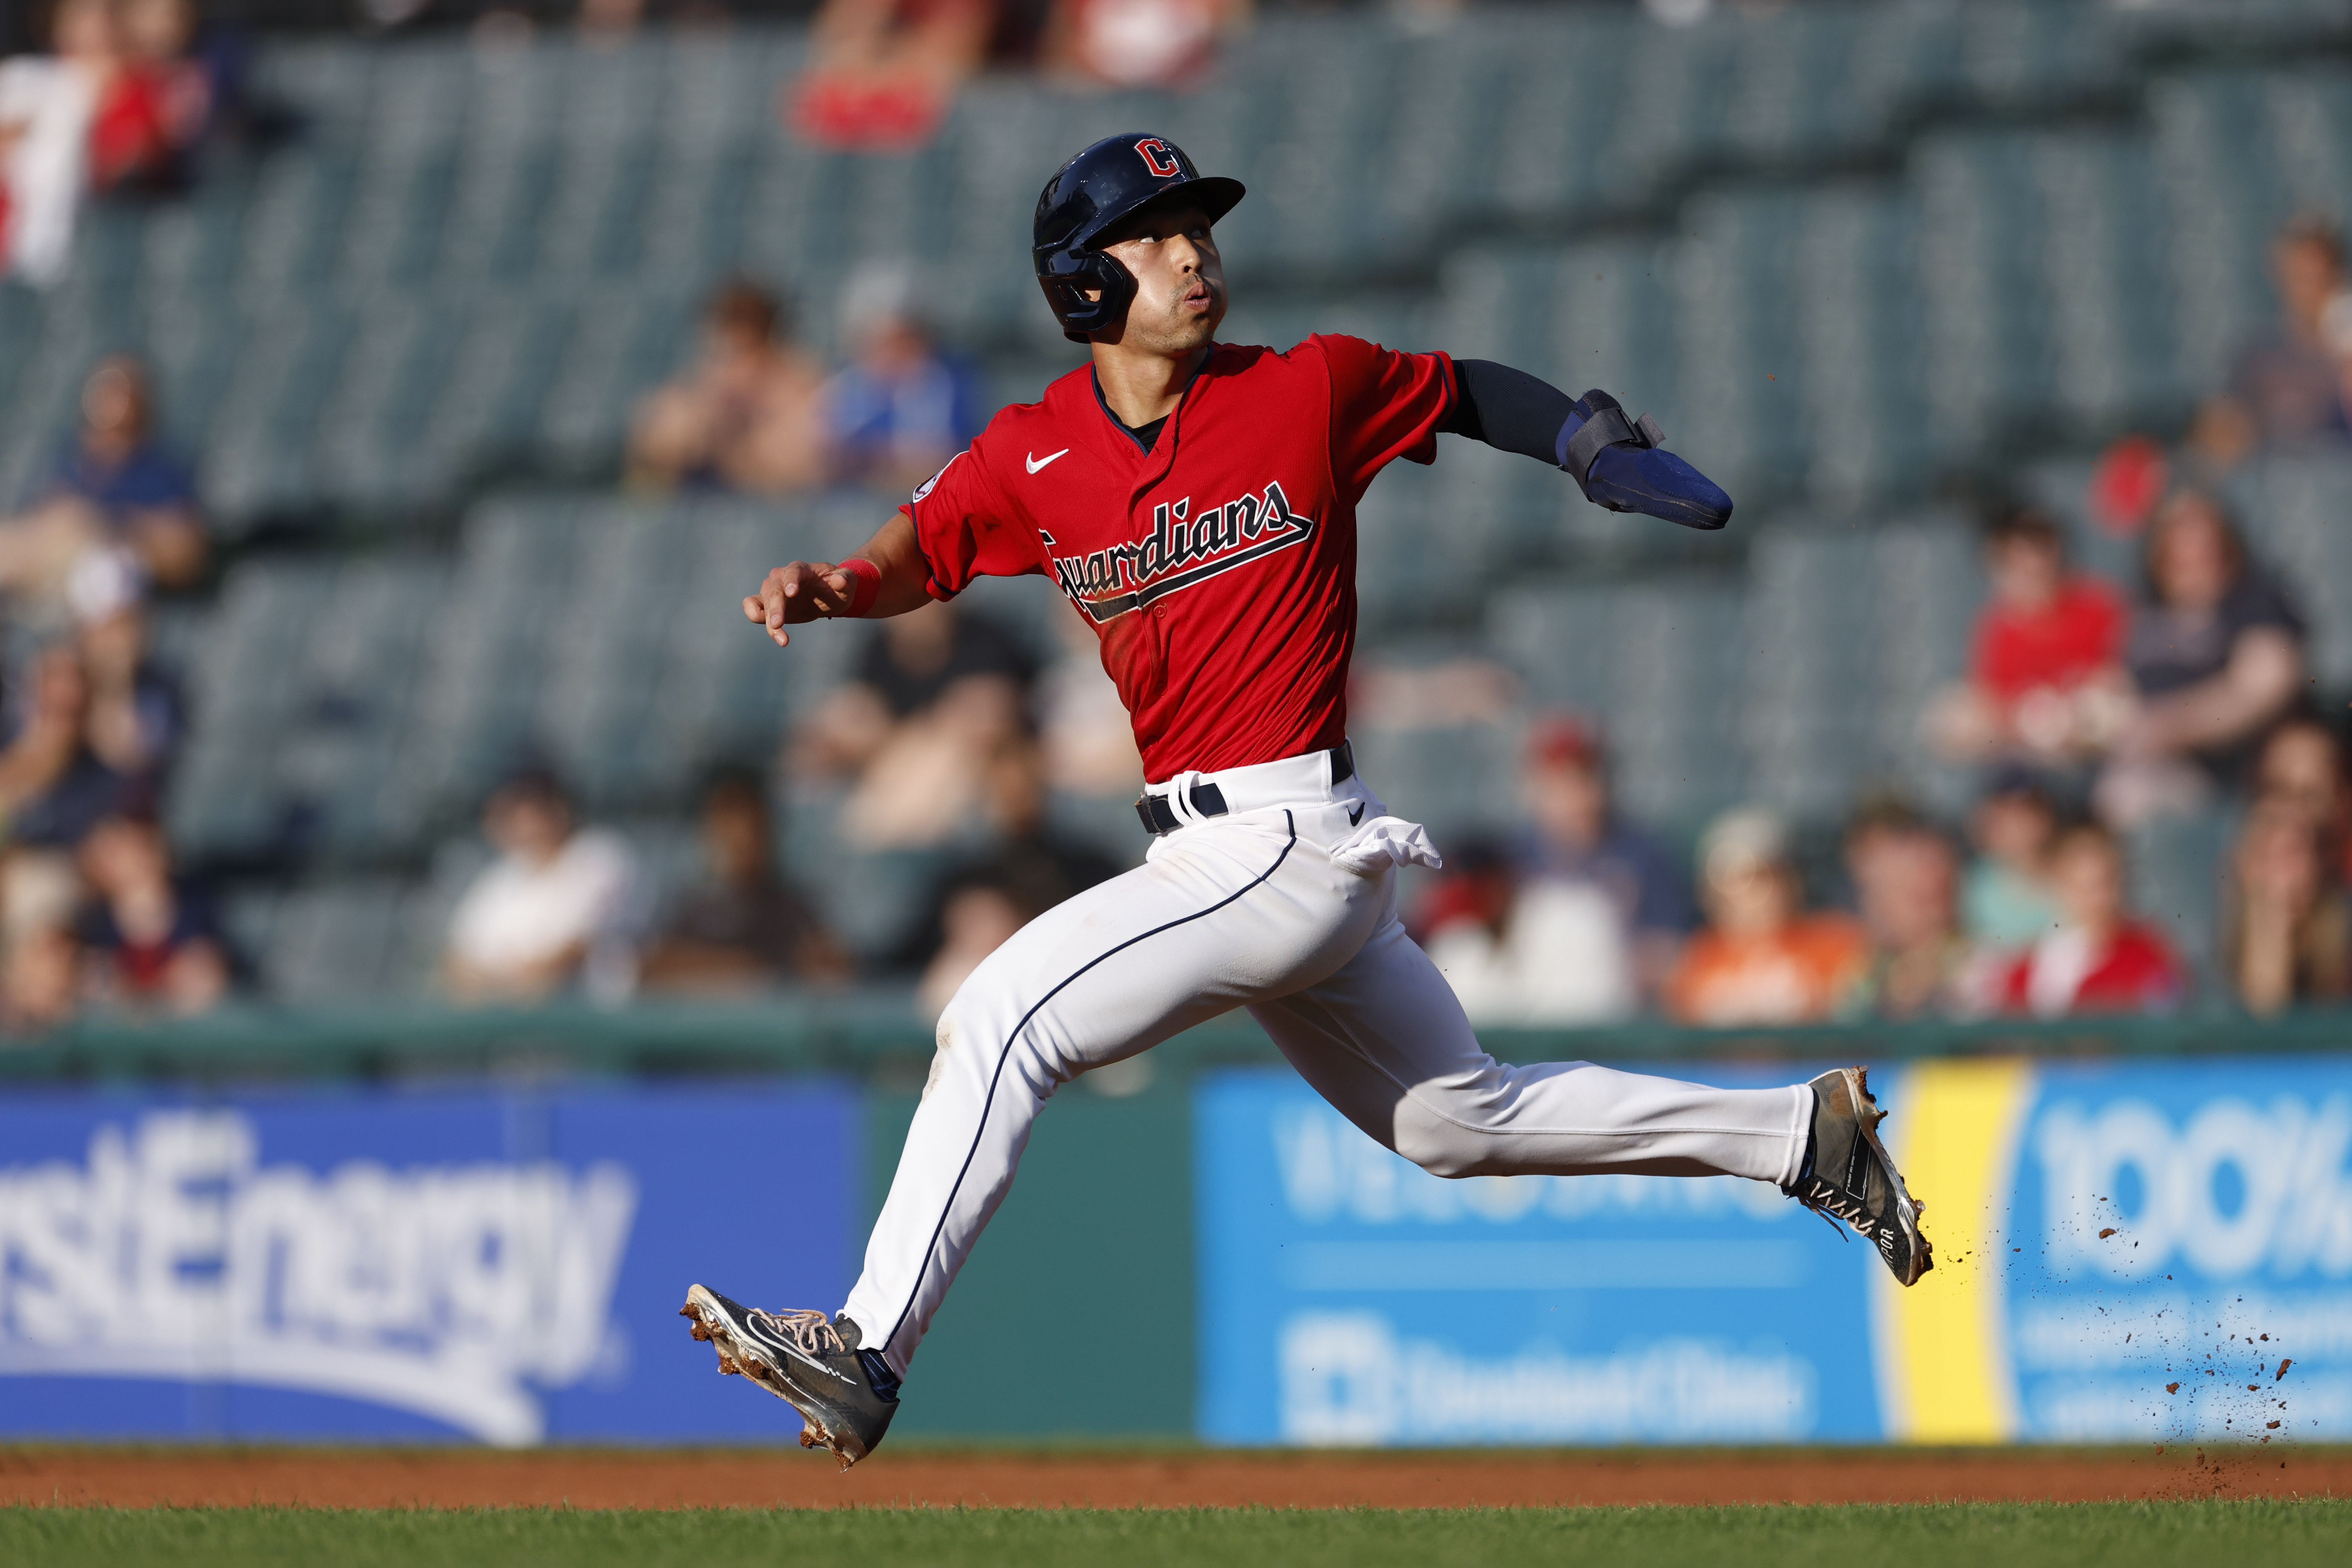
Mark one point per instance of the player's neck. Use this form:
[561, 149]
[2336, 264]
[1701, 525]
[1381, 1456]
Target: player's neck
[1140, 387]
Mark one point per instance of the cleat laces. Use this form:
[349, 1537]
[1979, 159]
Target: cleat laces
[810, 1332]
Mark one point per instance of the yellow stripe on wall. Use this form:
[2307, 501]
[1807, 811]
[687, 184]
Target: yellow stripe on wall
[1942, 1357]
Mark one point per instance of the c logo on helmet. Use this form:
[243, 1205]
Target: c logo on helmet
[1159, 157]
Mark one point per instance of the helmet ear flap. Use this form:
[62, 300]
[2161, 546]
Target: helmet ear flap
[1065, 276]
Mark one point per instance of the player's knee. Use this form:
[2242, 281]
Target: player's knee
[1435, 1147]
[978, 1040]
[961, 1041]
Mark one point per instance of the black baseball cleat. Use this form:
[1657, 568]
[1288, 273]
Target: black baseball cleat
[845, 1395]
[1623, 464]
[1848, 1176]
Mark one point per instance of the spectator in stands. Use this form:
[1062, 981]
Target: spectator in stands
[2216, 656]
[2096, 959]
[132, 131]
[136, 713]
[748, 415]
[1527, 951]
[2007, 903]
[53, 786]
[115, 487]
[1761, 958]
[41, 896]
[2286, 934]
[554, 909]
[741, 928]
[2047, 683]
[159, 104]
[1029, 868]
[98, 723]
[46, 105]
[1577, 836]
[1138, 43]
[936, 693]
[900, 408]
[2285, 389]
[150, 938]
[1464, 924]
[1905, 881]
[885, 72]
[1581, 922]
[2302, 769]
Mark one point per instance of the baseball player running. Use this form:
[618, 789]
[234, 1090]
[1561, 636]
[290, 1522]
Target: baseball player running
[1196, 501]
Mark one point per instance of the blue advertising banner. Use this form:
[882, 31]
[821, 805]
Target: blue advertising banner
[2175, 1235]
[493, 1265]
[1348, 1297]
[2124, 1251]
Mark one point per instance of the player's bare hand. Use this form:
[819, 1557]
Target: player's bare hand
[803, 591]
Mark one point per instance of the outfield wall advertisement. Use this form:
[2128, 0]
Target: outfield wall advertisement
[2125, 1252]
[502, 1266]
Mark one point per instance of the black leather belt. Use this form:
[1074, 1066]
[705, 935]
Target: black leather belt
[1207, 800]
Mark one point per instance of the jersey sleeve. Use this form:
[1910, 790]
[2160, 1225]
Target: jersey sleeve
[1384, 405]
[965, 530]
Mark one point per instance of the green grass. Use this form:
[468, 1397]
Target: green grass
[1983, 1535]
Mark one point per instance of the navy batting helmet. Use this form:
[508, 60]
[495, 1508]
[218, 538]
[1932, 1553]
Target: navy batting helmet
[1111, 181]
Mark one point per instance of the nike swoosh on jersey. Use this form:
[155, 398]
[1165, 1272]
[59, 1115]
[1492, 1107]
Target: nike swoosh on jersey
[1037, 463]
[1355, 816]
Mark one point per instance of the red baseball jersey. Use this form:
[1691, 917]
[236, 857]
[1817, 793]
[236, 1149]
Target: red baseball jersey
[1219, 568]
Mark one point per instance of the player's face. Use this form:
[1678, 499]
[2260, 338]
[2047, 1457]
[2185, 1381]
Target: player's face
[1180, 280]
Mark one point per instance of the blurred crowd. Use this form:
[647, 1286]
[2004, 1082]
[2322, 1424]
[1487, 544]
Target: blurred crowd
[951, 743]
[947, 741]
[125, 101]
[92, 907]
[756, 414]
[2020, 910]
[123, 96]
[2093, 713]
[993, 755]
[886, 72]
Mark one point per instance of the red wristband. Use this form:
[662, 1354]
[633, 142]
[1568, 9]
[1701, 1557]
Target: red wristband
[866, 583]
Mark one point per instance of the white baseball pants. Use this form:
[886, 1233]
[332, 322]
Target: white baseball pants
[1286, 906]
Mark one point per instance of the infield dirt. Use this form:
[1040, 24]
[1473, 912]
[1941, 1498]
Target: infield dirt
[741, 1477]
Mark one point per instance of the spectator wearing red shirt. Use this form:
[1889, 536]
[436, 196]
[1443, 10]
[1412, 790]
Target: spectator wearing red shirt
[886, 73]
[2096, 959]
[2045, 679]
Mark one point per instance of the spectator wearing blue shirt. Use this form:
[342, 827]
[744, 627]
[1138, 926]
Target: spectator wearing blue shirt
[54, 785]
[136, 713]
[1575, 834]
[901, 408]
[151, 937]
[113, 486]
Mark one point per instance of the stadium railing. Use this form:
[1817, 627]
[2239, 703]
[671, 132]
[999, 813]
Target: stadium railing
[876, 1034]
